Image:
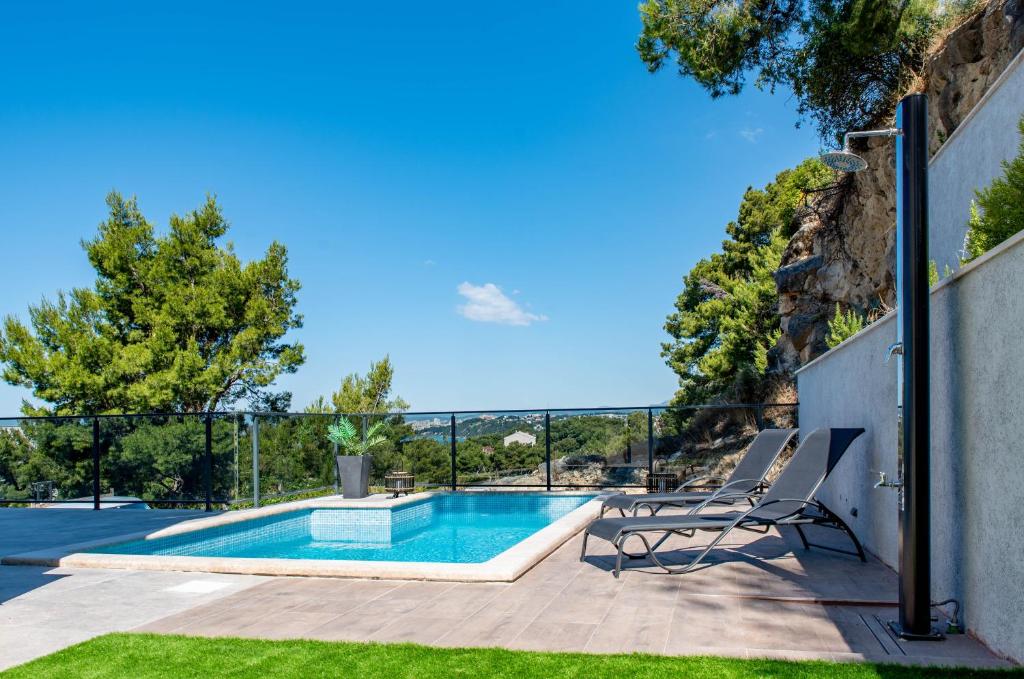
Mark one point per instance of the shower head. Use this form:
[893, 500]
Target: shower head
[844, 161]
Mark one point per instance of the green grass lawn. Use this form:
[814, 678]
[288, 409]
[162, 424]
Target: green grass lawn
[145, 656]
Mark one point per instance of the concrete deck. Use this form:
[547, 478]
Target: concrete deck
[757, 597]
[29, 530]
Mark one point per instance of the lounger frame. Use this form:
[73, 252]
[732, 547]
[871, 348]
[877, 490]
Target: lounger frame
[807, 511]
[822, 516]
[757, 485]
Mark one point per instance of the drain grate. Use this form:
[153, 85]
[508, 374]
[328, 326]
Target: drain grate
[883, 635]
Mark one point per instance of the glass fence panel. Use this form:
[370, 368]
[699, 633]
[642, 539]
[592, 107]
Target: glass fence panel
[498, 449]
[295, 456]
[159, 459]
[598, 448]
[226, 455]
[244, 488]
[420, 444]
[709, 441]
[43, 461]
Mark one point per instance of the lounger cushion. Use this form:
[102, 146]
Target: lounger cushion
[610, 529]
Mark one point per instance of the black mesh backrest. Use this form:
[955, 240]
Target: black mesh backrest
[760, 456]
[814, 459]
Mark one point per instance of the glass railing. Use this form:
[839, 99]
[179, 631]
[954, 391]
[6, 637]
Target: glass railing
[224, 460]
[498, 449]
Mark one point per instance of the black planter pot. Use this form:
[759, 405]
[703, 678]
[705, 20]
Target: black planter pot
[354, 471]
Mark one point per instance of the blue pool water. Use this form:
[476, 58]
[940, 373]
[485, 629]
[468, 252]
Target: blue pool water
[443, 528]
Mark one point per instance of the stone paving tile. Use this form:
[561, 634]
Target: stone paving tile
[291, 625]
[577, 609]
[492, 626]
[403, 599]
[544, 635]
[33, 641]
[415, 629]
[712, 623]
[633, 629]
[460, 601]
[754, 598]
[350, 627]
[332, 588]
[45, 609]
[640, 590]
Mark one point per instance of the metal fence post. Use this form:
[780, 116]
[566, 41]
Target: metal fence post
[208, 464]
[234, 450]
[547, 447]
[627, 455]
[650, 442]
[455, 450]
[759, 417]
[255, 460]
[96, 463]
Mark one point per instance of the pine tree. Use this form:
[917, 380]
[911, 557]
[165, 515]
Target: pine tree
[726, 318]
[174, 322]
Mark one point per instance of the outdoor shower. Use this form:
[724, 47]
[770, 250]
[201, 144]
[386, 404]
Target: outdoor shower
[911, 349]
[848, 161]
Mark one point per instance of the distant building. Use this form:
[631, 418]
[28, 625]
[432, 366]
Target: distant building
[520, 437]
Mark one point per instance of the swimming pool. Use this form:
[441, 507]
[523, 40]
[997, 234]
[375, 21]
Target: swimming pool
[443, 528]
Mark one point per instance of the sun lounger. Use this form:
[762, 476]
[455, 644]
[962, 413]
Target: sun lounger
[789, 502]
[747, 477]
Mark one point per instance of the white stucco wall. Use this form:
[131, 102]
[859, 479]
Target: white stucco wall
[970, 159]
[977, 464]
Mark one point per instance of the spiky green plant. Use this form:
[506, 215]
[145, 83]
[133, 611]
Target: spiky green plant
[346, 435]
[843, 326]
[998, 212]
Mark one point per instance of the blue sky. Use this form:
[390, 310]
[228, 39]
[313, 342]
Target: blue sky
[498, 196]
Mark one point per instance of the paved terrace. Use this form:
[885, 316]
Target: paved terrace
[755, 598]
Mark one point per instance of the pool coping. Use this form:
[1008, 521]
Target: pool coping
[505, 567]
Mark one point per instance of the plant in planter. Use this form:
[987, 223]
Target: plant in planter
[354, 457]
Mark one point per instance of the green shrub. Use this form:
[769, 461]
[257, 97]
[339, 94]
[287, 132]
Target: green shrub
[843, 326]
[933, 272]
[998, 212]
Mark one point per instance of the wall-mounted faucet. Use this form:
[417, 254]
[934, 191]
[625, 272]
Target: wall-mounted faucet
[896, 348]
[884, 482]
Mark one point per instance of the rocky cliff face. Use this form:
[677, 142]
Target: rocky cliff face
[968, 62]
[844, 248]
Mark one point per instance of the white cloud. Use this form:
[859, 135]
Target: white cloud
[751, 134]
[429, 262]
[488, 304]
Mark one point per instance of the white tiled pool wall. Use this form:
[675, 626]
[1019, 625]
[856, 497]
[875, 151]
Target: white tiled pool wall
[411, 518]
[379, 526]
